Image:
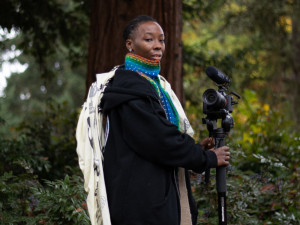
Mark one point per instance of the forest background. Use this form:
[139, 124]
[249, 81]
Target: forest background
[255, 42]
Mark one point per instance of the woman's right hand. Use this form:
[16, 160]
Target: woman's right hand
[223, 155]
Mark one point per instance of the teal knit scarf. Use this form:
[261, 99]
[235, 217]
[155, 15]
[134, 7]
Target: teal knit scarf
[149, 69]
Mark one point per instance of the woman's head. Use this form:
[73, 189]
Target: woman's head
[145, 37]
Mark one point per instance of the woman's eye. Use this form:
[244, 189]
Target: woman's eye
[148, 39]
[162, 40]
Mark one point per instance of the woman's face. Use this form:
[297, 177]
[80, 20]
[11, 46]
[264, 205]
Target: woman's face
[147, 40]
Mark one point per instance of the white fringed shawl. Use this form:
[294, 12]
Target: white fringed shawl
[90, 138]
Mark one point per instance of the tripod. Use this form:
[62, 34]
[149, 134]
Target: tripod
[218, 105]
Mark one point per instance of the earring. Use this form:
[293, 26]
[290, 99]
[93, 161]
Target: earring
[130, 50]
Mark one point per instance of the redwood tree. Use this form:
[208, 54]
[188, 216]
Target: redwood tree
[107, 48]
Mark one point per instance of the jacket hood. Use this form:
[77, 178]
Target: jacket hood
[125, 86]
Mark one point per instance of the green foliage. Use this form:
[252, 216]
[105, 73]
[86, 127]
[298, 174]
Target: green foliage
[25, 93]
[201, 9]
[26, 201]
[54, 129]
[252, 41]
[53, 50]
[23, 153]
[37, 141]
[60, 202]
[263, 180]
[14, 204]
[242, 38]
[47, 27]
[43, 150]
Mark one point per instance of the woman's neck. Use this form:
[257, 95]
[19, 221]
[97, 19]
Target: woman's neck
[142, 65]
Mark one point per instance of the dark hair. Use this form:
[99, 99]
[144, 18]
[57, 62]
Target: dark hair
[133, 24]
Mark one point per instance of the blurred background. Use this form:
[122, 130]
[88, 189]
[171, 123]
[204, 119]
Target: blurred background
[47, 58]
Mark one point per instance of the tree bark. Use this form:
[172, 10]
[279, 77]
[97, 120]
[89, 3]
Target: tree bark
[106, 45]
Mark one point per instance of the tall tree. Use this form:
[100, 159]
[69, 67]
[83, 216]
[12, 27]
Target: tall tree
[107, 48]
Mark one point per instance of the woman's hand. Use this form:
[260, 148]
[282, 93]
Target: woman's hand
[208, 143]
[223, 155]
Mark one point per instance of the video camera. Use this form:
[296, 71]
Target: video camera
[216, 103]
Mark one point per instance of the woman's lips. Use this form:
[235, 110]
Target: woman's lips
[157, 57]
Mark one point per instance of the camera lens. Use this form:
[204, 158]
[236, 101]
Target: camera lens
[211, 98]
[214, 99]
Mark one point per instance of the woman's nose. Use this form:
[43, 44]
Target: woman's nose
[158, 44]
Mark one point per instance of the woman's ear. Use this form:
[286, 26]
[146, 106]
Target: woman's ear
[129, 45]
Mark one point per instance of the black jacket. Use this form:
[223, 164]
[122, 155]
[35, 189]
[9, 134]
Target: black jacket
[142, 154]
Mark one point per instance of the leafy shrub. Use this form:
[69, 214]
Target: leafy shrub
[44, 150]
[61, 202]
[263, 178]
[54, 129]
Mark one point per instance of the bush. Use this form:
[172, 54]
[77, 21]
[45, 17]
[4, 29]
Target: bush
[263, 178]
[61, 202]
[35, 185]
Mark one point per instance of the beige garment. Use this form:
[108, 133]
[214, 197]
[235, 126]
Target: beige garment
[90, 141]
[186, 217]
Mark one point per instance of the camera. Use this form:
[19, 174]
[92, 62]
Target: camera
[216, 100]
[217, 104]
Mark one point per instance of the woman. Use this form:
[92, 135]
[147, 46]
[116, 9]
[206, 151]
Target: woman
[149, 138]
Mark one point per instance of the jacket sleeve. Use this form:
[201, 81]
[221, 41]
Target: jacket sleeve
[154, 138]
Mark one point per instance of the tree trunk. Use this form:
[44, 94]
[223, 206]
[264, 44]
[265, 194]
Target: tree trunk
[106, 45]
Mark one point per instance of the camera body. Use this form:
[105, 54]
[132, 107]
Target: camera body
[216, 101]
[217, 104]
